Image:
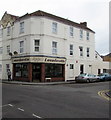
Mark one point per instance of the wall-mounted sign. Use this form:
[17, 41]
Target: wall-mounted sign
[39, 60]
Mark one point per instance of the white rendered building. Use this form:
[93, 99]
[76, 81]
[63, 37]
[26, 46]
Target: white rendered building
[41, 46]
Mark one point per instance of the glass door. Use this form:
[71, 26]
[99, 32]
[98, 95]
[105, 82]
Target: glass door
[36, 72]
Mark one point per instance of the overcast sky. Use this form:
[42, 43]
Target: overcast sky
[94, 12]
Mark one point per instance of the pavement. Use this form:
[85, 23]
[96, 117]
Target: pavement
[34, 83]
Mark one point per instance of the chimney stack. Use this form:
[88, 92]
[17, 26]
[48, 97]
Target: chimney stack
[83, 24]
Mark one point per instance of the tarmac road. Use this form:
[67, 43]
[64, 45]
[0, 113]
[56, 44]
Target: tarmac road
[55, 101]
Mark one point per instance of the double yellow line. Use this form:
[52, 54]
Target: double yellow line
[103, 94]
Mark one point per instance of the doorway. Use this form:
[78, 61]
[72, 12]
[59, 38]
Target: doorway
[36, 72]
[81, 69]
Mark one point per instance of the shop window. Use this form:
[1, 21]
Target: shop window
[53, 70]
[21, 70]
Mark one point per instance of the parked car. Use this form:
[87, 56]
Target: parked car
[85, 77]
[104, 76]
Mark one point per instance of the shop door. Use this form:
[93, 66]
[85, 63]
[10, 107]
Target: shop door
[36, 72]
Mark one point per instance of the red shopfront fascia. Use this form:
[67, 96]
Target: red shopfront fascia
[38, 69]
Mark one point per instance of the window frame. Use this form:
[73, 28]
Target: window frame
[71, 49]
[21, 46]
[54, 47]
[21, 27]
[71, 31]
[88, 51]
[8, 30]
[8, 49]
[81, 51]
[54, 27]
[37, 46]
[81, 34]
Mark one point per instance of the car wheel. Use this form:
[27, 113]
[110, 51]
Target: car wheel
[88, 81]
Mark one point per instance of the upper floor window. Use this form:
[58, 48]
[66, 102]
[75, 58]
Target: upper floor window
[8, 49]
[88, 52]
[71, 31]
[21, 46]
[87, 35]
[21, 27]
[81, 51]
[71, 66]
[96, 55]
[1, 32]
[81, 34]
[54, 27]
[0, 68]
[54, 48]
[8, 30]
[37, 45]
[71, 49]
[1, 50]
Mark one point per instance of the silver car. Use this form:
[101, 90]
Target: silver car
[85, 77]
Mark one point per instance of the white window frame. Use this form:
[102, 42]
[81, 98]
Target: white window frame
[81, 51]
[54, 27]
[1, 32]
[71, 49]
[36, 46]
[1, 50]
[8, 48]
[81, 34]
[54, 48]
[21, 27]
[71, 66]
[8, 31]
[71, 31]
[21, 46]
[0, 68]
[87, 35]
[88, 52]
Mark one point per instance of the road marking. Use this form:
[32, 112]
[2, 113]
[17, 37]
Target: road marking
[4, 105]
[10, 105]
[36, 116]
[102, 94]
[7, 105]
[21, 109]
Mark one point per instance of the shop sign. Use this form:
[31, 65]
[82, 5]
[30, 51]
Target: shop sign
[39, 60]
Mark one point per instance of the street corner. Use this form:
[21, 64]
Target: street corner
[105, 94]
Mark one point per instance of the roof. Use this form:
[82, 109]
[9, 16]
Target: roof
[82, 25]
[109, 55]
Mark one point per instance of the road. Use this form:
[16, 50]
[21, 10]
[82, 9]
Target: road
[55, 101]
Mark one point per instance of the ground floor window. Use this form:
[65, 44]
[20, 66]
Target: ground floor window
[53, 70]
[21, 70]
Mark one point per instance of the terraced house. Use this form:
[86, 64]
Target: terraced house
[43, 47]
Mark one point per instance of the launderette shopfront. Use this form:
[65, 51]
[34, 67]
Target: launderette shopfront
[38, 68]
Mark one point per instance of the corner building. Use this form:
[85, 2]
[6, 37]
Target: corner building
[41, 47]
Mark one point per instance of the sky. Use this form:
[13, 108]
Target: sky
[94, 12]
